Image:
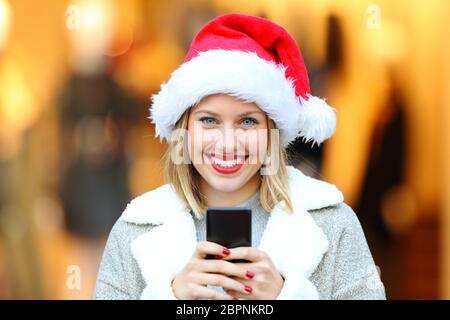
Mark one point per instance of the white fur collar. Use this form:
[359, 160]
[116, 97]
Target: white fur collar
[293, 241]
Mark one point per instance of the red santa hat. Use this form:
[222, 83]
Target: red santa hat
[255, 60]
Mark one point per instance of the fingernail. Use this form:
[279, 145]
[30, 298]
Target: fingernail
[234, 298]
[249, 274]
[226, 251]
[248, 289]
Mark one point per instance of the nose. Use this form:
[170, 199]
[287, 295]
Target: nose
[227, 142]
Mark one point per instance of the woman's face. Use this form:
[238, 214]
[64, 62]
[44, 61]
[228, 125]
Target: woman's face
[227, 141]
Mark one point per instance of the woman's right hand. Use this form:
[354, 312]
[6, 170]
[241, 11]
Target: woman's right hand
[191, 282]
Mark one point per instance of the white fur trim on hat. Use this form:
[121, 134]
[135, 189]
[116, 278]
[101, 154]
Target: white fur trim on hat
[248, 77]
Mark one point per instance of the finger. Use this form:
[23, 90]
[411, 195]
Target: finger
[247, 281]
[201, 292]
[246, 253]
[223, 267]
[206, 247]
[221, 281]
[239, 295]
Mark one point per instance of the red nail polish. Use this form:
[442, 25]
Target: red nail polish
[248, 289]
[218, 257]
[249, 274]
[226, 251]
[234, 298]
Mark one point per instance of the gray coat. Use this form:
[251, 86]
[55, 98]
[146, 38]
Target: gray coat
[322, 252]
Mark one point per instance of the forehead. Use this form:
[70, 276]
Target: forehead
[226, 105]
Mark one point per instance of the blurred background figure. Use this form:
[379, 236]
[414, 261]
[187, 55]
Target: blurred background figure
[379, 207]
[76, 144]
[95, 116]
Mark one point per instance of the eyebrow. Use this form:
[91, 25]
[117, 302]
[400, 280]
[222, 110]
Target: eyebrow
[217, 115]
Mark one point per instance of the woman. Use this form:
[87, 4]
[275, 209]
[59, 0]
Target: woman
[228, 112]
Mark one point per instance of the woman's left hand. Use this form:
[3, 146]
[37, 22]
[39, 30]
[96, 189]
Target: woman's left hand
[264, 279]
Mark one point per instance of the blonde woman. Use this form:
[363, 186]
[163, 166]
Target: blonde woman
[228, 112]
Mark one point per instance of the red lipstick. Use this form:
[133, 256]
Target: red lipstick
[221, 167]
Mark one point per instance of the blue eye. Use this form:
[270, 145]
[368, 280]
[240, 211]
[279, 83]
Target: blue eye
[249, 122]
[208, 121]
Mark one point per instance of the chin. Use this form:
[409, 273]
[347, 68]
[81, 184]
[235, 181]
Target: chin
[225, 185]
[229, 183]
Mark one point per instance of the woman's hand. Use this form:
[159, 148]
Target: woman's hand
[192, 281]
[266, 282]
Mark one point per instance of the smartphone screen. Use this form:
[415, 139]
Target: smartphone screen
[230, 227]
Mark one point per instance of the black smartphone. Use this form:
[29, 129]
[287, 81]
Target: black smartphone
[229, 227]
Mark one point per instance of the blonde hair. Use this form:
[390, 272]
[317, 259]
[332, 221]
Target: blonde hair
[185, 179]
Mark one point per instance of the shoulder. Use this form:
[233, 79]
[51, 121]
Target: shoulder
[123, 232]
[340, 213]
[144, 212]
[153, 207]
[336, 220]
[311, 193]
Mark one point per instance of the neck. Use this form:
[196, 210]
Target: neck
[217, 198]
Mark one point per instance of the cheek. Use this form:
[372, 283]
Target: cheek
[199, 140]
[256, 144]
[195, 147]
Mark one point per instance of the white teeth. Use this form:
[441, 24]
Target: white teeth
[227, 163]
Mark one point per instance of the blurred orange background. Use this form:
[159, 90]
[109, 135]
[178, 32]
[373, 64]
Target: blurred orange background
[76, 144]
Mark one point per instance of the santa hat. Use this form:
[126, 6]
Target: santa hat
[255, 60]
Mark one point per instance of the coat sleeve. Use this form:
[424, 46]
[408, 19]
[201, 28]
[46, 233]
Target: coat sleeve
[355, 273]
[118, 277]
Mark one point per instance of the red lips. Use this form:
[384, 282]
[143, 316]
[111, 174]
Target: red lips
[226, 157]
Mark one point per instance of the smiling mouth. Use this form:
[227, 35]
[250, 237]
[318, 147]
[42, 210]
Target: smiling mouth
[227, 164]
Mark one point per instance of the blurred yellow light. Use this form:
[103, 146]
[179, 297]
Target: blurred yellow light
[96, 16]
[91, 36]
[17, 108]
[5, 21]
[388, 44]
[16, 99]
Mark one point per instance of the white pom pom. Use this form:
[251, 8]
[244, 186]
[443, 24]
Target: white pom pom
[317, 120]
